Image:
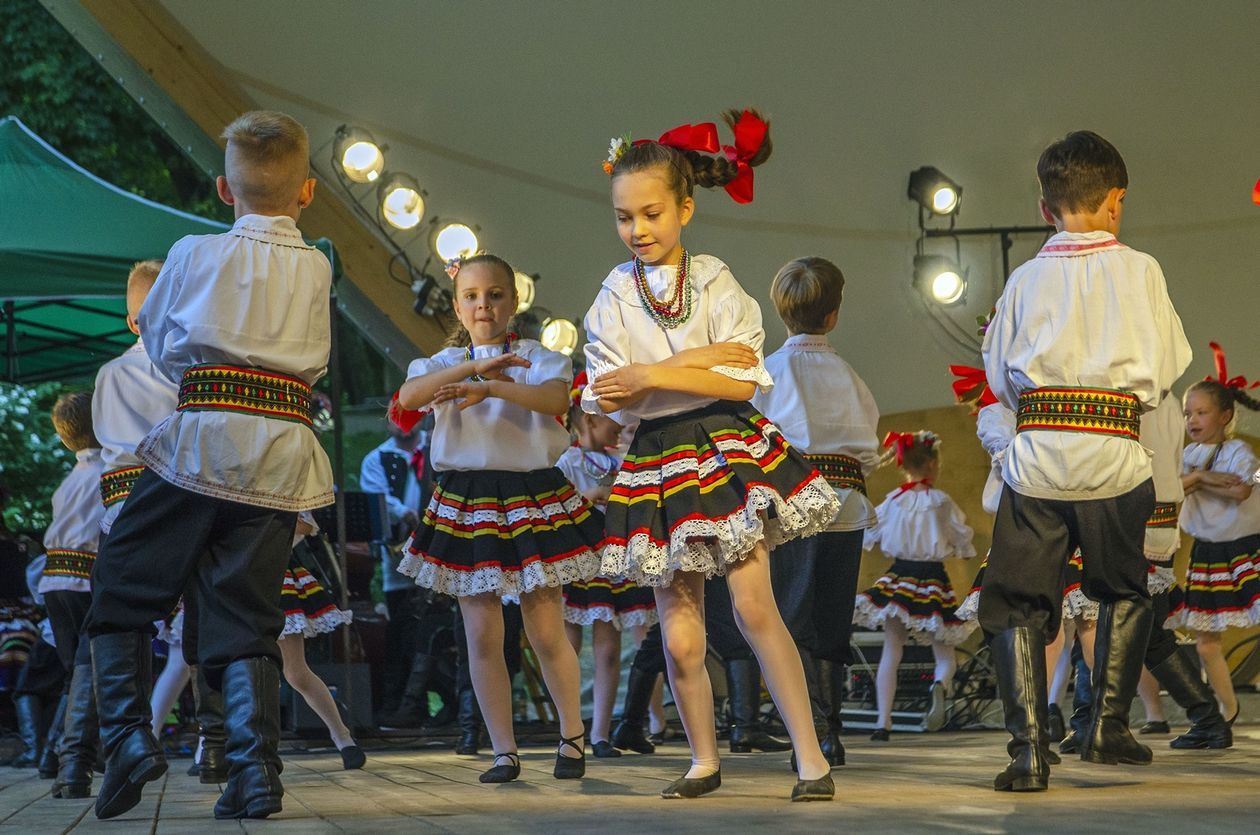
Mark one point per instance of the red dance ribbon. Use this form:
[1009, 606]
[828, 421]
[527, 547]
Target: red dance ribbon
[970, 380]
[1255, 193]
[575, 391]
[1222, 376]
[902, 441]
[750, 134]
[404, 419]
[702, 137]
[910, 485]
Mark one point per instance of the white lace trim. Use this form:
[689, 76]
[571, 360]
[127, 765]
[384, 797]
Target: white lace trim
[172, 633]
[1161, 579]
[969, 609]
[497, 580]
[297, 623]
[622, 622]
[540, 513]
[60, 582]
[921, 629]
[1201, 621]
[1077, 605]
[709, 545]
[758, 448]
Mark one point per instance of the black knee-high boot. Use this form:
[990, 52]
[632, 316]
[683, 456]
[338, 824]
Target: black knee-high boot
[1019, 659]
[743, 681]
[29, 712]
[49, 762]
[1082, 706]
[211, 767]
[122, 668]
[629, 733]
[1179, 675]
[1123, 629]
[251, 698]
[79, 739]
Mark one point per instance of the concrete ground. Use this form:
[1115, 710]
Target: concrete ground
[915, 782]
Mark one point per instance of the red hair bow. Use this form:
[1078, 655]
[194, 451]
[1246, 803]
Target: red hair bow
[404, 419]
[575, 391]
[1222, 376]
[971, 380]
[701, 137]
[750, 134]
[902, 441]
[1255, 193]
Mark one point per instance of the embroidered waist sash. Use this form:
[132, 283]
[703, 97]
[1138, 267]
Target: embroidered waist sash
[250, 391]
[1165, 516]
[840, 471]
[63, 562]
[1094, 411]
[116, 484]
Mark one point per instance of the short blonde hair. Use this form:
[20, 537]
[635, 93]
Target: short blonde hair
[267, 159]
[806, 291]
[72, 418]
[140, 281]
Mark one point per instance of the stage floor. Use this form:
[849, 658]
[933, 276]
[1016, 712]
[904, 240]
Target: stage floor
[915, 782]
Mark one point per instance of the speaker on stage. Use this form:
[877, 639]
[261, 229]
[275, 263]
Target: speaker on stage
[297, 716]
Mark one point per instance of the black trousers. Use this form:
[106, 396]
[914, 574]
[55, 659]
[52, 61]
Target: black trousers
[42, 675]
[402, 636]
[815, 584]
[68, 611]
[232, 556]
[1162, 642]
[1032, 541]
[649, 658]
[719, 622]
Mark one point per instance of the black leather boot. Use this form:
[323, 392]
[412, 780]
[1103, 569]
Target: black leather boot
[1179, 675]
[1082, 707]
[469, 719]
[831, 681]
[29, 711]
[1019, 659]
[743, 683]
[818, 684]
[212, 766]
[1123, 630]
[413, 709]
[49, 762]
[79, 739]
[251, 697]
[122, 668]
[629, 734]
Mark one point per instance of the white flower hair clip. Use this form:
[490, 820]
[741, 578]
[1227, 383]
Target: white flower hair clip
[617, 146]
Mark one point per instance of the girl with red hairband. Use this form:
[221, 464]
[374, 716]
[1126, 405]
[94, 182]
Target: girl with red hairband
[918, 526]
[708, 485]
[1222, 513]
[608, 606]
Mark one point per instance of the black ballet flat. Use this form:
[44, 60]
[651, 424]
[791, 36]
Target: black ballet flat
[1160, 727]
[604, 749]
[880, 735]
[824, 788]
[570, 768]
[503, 773]
[693, 787]
[352, 757]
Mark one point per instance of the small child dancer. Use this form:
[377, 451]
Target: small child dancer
[608, 606]
[71, 542]
[919, 526]
[1222, 513]
[503, 521]
[709, 485]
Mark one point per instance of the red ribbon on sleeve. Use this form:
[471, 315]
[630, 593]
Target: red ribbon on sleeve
[1222, 376]
[750, 133]
[404, 419]
[970, 380]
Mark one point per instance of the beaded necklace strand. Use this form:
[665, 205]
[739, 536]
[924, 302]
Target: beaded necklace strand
[593, 469]
[468, 356]
[674, 310]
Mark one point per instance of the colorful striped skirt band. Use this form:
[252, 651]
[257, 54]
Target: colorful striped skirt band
[622, 603]
[1165, 516]
[1093, 411]
[841, 471]
[116, 484]
[919, 595]
[1223, 585]
[250, 391]
[63, 562]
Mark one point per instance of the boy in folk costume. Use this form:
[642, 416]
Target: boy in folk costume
[242, 320]
[1084, 339]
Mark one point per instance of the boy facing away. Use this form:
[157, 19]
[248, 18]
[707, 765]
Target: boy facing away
[241, 321]
[1083, 341]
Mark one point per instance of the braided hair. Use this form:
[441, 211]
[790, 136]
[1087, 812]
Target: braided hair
[459, 336]
[684, 170]
[1225, 397]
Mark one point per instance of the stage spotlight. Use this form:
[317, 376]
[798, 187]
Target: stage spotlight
[360, 158]
[454, 240]
[430, 298]
[939, 279]
[934, 191]
[559, 335]
[524, 291]
[402, 201]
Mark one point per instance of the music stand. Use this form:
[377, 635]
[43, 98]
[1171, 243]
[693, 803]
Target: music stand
[367, 517]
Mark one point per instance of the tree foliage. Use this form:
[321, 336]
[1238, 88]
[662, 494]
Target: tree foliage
[33, 461]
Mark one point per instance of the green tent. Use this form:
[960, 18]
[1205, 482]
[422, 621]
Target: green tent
[67, 240]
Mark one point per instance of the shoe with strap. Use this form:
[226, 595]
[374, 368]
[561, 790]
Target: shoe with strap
[503, 773]
[570, 768]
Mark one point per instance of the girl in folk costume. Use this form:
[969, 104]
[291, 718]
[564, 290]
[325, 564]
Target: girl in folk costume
[503, 521]
[919, 526]
[708, 485]
[1222, 513]
[608, 606]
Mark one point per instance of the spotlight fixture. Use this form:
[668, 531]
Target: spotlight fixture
[934, 191]
[360, 157]
[524, 291]
[559, 335]
[940, 280]
[453, 240]
[401, 201]
[430, 298]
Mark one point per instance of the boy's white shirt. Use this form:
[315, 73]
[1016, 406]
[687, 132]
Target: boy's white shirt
[1163, 433]
[76, 518]
[256, 296]
[822, 407]
[1086, 312]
